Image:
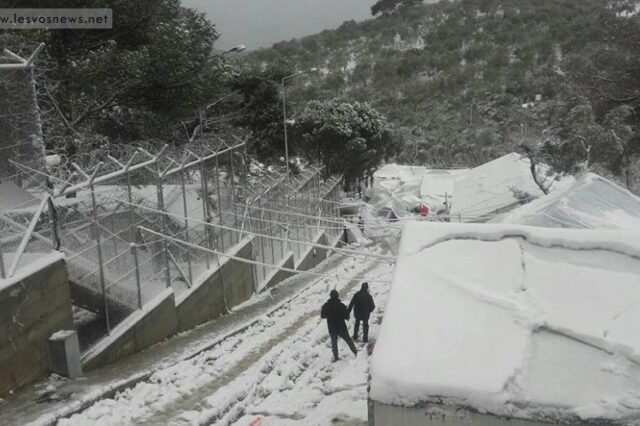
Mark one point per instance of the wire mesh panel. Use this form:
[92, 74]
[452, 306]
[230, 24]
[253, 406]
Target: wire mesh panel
[20, 131]
[116, 206]
[20, 142]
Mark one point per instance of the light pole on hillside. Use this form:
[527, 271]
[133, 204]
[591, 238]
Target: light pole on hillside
[284, 112]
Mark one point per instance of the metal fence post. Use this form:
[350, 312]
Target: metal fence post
[133, 231]
[233, 196]
[261, 228]
[113, 237]
[134, 249]
[55, 237]
[186, 224]
[165, 227]
[96, 229]
[219, 203]
[2, 272]
[271, 234]
[205, 209]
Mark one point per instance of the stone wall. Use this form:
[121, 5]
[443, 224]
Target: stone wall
[31, 310]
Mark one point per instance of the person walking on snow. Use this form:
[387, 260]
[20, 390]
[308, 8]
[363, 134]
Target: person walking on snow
[335, 312]
[362, 305]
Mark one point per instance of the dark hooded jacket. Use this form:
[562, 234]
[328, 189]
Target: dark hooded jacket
[335, 312]
[362, 303]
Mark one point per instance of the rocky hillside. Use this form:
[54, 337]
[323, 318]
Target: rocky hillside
[466, 81]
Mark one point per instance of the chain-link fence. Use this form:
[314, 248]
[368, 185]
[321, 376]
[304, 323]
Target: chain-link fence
[205, 197]
[26, 233]
[105, 210]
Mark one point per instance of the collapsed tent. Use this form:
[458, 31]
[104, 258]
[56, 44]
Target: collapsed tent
[494, 188]
[540, 324]
[400, 191]
[592, 202]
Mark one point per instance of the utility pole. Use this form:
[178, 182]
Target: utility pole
[284, 113]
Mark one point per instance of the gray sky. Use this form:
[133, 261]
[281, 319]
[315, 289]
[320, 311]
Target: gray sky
[260, 23]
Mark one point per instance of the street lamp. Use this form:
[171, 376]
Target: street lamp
[284, 112]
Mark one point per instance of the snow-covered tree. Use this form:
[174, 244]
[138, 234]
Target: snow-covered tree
[348, 138]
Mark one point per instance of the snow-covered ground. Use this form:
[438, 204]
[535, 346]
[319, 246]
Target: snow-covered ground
[279, 370]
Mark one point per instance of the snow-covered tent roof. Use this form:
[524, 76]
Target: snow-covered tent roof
[440, 183]
[490, 187]
[540, 323]
[591, 202]
[399, 172]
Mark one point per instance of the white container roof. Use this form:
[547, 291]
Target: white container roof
[517, 321]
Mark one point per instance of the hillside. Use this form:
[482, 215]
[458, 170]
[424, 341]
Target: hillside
[463, 81]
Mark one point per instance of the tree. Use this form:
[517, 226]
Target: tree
[583, 143]
[134, 81]
[349, 138]
[387, 7]
[259, 109]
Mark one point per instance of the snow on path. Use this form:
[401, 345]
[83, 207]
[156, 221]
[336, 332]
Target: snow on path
[182, 390]
[297, 382]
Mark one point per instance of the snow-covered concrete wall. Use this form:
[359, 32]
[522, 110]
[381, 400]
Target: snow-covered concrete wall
[277, 276]
[217, 291]
[32, 308]
[234, 282]
[150, 325]
[383, 414]
[314, 255]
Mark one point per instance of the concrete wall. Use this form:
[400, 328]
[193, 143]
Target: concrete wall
[278, 276]
[437, 415]
[157, 321]
[31, 310]
[234, 282]
[314, 255]
[228, 286]
[238, 277]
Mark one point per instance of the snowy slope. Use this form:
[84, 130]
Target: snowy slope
[539, 323]
[592, 202]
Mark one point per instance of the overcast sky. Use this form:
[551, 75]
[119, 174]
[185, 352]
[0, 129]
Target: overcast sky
[260, 23]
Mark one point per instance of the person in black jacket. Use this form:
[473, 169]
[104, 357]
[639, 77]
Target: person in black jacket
[336, 313]
[362, 305]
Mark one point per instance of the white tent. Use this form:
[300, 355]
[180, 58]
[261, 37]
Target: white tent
[492, 187]
[403, 188]
[592, 202]
[538, 327]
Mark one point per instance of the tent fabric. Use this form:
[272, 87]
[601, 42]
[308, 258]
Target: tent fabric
[493, 187]
[592, 202]
[403, 189]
